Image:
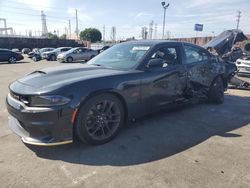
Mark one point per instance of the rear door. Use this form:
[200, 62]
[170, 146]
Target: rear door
[199, 67]
[84, 54]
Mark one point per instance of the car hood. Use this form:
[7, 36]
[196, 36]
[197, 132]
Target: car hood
[224, 42]
[50, 79]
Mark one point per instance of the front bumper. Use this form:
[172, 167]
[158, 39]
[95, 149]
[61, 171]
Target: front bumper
[61, 59]
[40, 126]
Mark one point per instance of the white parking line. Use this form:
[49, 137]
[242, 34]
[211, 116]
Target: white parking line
[81, 179]
[76, 180]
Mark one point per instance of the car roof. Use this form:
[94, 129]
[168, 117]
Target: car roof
[152, 42]
[159, 42]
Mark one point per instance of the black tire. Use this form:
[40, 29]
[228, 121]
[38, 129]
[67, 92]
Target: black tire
[53, 58]
[216, 91]
[69, 59]
[12, 60]
[99, 119]
[34, 59]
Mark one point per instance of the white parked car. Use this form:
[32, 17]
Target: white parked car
[243, 66]
[77, 54]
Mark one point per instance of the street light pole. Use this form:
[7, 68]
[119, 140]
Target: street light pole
[164, 18]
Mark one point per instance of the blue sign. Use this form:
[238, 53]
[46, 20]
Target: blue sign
[198, 27]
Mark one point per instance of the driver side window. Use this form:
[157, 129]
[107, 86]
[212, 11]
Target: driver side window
[168, 55]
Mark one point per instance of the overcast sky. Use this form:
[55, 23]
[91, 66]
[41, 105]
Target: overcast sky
[128, 15]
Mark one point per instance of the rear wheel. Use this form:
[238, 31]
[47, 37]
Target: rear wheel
[53, 58]
[12, 60]
[69, 59]
[99, 119]
[216, 92]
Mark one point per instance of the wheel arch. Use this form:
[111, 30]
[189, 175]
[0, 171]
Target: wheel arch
[107, 91]
[70, 57]
[224, 80]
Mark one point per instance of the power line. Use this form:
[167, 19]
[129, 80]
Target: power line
[33, 5]
[29, 9]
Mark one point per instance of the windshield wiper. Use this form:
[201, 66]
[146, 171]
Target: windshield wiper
[99, 65]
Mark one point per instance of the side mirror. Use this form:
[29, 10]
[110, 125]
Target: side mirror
[155, 63]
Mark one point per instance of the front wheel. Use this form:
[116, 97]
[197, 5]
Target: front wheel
[69, 59]
[12, 60]
[216, 91]
[99, 119]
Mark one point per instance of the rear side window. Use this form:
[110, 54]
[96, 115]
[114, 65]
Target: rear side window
[194, 55]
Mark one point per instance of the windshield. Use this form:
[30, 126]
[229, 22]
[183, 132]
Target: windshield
[121, 56]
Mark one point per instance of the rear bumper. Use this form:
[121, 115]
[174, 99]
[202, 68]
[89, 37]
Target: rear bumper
[40, 126]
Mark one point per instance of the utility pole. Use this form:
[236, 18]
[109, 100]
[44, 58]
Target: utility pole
[150, 30]
[103, 33]
[155, 34]
[164, 17]
[238, 19]
[77, 31]
[44, 25]
[113, 34]
[69, 30]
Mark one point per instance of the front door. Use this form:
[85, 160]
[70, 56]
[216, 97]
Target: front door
[165, 84]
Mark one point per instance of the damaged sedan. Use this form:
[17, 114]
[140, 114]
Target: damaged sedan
[93, 101]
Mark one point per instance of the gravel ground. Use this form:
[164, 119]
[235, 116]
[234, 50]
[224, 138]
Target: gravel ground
[200, 145]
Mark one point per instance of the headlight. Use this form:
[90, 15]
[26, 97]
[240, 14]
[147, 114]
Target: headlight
[238, 63]
[46, 101]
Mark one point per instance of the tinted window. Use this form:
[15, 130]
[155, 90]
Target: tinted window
[168, 55]
[65, 49]
[194, 55]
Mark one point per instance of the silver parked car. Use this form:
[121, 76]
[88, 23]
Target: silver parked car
[77, 54]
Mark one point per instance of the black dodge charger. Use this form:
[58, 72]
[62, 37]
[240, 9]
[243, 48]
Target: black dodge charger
[93, 101]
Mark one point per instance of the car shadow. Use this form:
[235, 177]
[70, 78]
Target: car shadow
[158, 136]
[18, 62]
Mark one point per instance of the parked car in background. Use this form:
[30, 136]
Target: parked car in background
[52, 55]
[77, 54]
[34, 50]
[37, 56]
[26, 50]
[93, 101]
[243, 63]
[103, 49]
[9, 56]
[16, 50]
